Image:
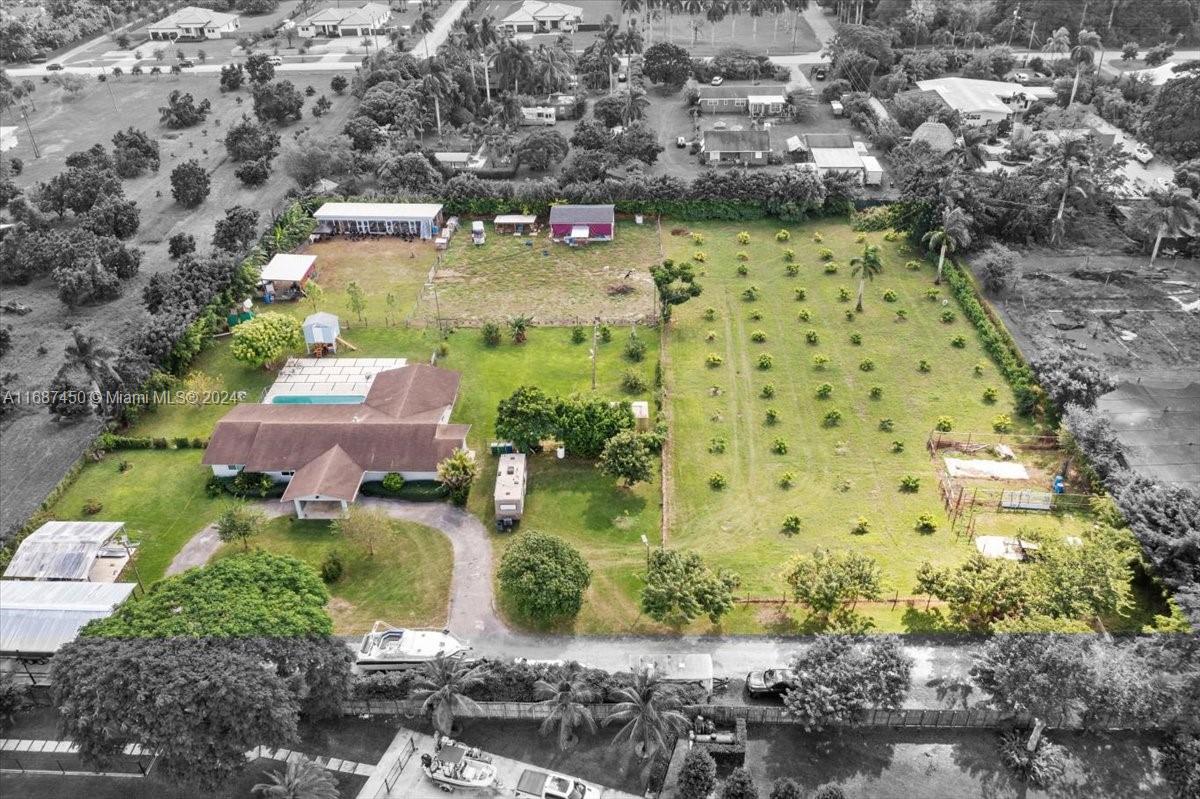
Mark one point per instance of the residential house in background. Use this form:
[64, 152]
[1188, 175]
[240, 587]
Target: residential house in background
[741, 146]
[331, 23]
[537, 16]
[194, 24]
[324, 447]
[834, 152]
[770, 100]
[983, 102]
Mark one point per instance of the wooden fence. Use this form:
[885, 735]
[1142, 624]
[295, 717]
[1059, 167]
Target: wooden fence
[909, 718]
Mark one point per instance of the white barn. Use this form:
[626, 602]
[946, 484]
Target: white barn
[381, 219]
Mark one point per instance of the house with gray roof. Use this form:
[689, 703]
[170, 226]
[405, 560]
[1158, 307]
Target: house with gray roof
[736, 146]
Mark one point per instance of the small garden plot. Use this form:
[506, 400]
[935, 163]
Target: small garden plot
[547, 280]
[799, 421]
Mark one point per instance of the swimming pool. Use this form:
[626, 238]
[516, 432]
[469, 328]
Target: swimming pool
[318, 399]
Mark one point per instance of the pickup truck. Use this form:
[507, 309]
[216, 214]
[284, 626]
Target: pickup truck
[535, 784]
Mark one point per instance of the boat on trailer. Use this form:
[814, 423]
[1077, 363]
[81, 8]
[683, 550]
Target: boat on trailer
[455, 765]
[388, 648]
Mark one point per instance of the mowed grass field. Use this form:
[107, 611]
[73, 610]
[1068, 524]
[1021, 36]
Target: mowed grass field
[839, 473]
[548, 281]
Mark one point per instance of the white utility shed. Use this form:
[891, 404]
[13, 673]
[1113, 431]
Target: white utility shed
[69, 551]
[288, 268]
[36, 618]
[321, 329]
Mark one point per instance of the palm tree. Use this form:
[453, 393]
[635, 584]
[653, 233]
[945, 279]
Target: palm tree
[552, 67]
[866, 266]
[796, 6]
[732, 9]
[424, 26]
[650, 711]
[714, 14]
[518, 325]
[608, 44]
[95, 359]
[631, 7]
[567, 702]
[636, 105]
[954, 234]
[631, 40]
[693, 8]
[1173, 214]
[443, 685]
[1083, 53]
[1058, 42]
[1069, 162]
[513, 59]
[303, 779]
[436, 84]
[973, 154]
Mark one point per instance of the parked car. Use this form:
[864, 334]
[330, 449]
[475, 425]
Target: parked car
[769, 682]
[54, 67]
[275, 61]
[681, 142]
[717, 80]
[1143, 154]
[821, 73]
[622, 77]
[38, 58]
[186, 62]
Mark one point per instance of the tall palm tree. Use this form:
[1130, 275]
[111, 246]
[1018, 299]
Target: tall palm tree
[693, 8]
[443, 685]
[1068, 162]
[631, 8]
[631, 40]
[303, 779]
[1058, 42]
[866, 266]
[714, 14]
[96, 361]
[649, 710]
[732, 9]
[552, 66]
[756, 8]
[973, 154]
[436, 84]
[513, 59]
[1083, 54]
[954, 234]
[1173, 214]
[796, 6]
[424, 25]
[608, 44]
[568, 703]
[636, 104]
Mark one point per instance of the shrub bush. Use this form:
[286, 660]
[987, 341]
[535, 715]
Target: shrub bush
[792, 270]
[959, 342]
[605, 333]
[161, 443]
[926, 523]
[124, 466]
[713, 360]
[92, 506]
[768, 391]
[844, 294]
[491, 334]
[635, 348]
[779, 446]
[756, 315]
[923, 366]
[811, 336]
[743, 270]
[800, 294]
[789, 254]
[742, 255]
[831, 268]
[897, 447]
[820, 361]
[862, 526]
[717, 445]
[699, 257]
[825, 254]
[990, 395]
[710, 313]
[783, 235]
[944, 424]
[824, 390]
[978, 368]
[787, 479]
[392, 481]
[947, 316]
[181, 442]
[1042, 767]
[867, 365]
[633, 382]
[710, 335]
[849, 314]
[887, 425]
[750, 293]
[332, 567]
[577, 335]
[876, 392]
[1002, 423]
[758, 336]
[932, 294]
[910, 484]
[743, 237]
[817, 237]
[912, 266]
[697, 239]
[890, 296]
[717, 481]
[901, 315]
[804, 315]
[832, 418]
[772, 416]
[791, 524]
[856, 339]
[764, 361]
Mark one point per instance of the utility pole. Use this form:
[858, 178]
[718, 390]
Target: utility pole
[595, 348]
[1013, 28]
[437, 308]
[37, 153]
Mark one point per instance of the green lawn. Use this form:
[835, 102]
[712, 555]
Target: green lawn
[406, 582]
[840, 472]
[551, 282]
[161, 499]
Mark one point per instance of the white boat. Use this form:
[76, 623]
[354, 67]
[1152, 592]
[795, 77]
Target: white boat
[456, 765]
[387, 647]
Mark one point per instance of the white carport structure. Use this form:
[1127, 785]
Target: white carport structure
[381, 219]
[70, 551]
[288, 268]
[37, 618]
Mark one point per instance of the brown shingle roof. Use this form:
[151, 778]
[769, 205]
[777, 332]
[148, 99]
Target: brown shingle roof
[737, 141]
[332, 474]
[397, 428]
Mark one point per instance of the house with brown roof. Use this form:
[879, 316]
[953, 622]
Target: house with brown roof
[324, 452]
[740, 146]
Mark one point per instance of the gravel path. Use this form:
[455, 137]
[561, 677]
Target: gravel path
[196, 552]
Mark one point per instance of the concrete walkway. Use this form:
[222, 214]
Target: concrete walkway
[409, 782]
[472, 604]
[196, 552]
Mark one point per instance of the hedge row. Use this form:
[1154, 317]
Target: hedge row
[411, 491]
[996, 340]
[112, 441]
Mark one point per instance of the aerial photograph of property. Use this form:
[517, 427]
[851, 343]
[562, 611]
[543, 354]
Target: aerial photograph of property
[603, 399]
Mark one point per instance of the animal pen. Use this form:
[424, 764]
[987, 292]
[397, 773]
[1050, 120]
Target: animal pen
[964, 492]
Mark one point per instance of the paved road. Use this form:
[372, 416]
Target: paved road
[429, 43]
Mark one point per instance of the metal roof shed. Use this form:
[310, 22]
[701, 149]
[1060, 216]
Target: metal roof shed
[61, 550]
[38, 618]
[288, 268]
